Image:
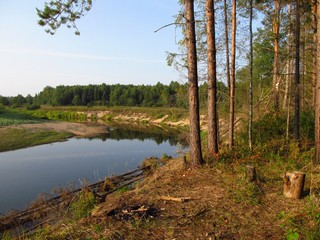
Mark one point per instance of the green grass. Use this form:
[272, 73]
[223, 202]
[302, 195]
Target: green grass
[14, 117]
[12, 139]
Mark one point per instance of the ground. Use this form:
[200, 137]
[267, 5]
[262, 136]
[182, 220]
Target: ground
[78, 129]
[210, 202]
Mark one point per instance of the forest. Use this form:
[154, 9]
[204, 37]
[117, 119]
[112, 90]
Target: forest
[159, 95]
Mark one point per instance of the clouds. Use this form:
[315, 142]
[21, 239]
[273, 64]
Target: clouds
[37, 52]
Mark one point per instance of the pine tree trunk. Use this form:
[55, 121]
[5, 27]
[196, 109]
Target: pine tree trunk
[275, 28]
[317, 94]
[227, 42]
[233, 74]
[195, 143]
[287, 94]
[296, 132]
[303, 60]
[251, 78]
[288, 66]
[212, 80]
[314, 57]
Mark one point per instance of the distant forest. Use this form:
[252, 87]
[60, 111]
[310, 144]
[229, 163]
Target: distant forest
[159, 95]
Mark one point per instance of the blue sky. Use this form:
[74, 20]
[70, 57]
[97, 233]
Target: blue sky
[117, 45]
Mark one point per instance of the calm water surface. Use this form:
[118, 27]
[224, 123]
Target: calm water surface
[26, 173]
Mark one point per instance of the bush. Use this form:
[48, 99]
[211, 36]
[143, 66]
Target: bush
[32, 107]
[272, 127]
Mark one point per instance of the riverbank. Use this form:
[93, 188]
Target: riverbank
[175, 202]
[28, 135]
[21, 128]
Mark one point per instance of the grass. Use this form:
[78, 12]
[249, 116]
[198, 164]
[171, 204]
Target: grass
[16, 138]
[15, 117]
[13, 138]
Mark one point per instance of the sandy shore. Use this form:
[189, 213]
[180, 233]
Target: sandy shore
[78, 129]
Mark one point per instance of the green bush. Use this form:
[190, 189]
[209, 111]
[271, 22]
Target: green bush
[32, 107]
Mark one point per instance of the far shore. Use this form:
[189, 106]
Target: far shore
[77, 129]
[27, 135]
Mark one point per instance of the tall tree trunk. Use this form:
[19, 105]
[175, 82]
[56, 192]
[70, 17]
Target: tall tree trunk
[195, 143]
[317, 93]
[296, 132]
[233, 75]
[212, 79]
[251, 78]
[289, 67]
[314, 57]
[275, 28]
[227, 42]
[303, 61]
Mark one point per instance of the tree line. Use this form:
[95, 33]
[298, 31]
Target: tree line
[159, 95]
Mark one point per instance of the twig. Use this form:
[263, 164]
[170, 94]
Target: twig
[175, 199]
[168, 25]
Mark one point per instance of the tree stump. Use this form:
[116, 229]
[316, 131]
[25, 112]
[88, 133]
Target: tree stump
[251, 174]
[293, 183]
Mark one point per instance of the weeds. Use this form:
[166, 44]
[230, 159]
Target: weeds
[11, 117]
[248, 192]
[83, 206]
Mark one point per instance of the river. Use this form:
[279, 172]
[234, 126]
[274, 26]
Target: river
[26, 173]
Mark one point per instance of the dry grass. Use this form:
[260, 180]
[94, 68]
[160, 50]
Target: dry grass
[220, 205]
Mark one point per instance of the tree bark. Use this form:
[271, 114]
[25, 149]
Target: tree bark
[296, 132]
[287, 94]
[251, 174]
[233, 72]
[251, 78]
[195, 143]
[288, 65]
[212, 79]
[227, 42]
[317, 93]
[275, 28]
[314, 59]
[293, 184]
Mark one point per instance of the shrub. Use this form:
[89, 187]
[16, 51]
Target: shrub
[32, 107]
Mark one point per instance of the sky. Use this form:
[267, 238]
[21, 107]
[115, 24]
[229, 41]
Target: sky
[117, 44]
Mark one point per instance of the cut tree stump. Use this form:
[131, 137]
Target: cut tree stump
[293, 183]
[251, 174]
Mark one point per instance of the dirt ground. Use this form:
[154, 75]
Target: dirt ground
[180, 203]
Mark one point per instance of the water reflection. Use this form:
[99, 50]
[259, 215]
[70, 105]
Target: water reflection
[27, 172]
[154, 133]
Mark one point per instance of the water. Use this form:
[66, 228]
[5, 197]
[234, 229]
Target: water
[26, 173]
